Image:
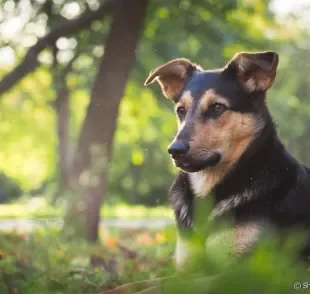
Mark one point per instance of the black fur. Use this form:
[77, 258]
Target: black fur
[181, 197]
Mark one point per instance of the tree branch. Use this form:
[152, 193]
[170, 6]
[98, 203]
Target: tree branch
[68, 27]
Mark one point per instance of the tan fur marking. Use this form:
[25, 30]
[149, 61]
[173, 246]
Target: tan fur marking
[245, 235]
[230, 134]
[210, 97]
[187, 100]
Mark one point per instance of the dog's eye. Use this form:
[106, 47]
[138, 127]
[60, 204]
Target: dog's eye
[218, 108]
[181, 111]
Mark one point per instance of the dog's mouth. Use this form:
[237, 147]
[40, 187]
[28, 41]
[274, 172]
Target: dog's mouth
[191, 164]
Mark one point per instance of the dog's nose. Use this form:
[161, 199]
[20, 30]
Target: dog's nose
[178, 149]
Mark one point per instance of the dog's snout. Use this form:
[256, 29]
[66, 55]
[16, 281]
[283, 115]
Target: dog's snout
[178, 149]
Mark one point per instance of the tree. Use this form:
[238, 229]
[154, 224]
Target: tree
[208, 32]
[100, 122]
[61, 105]
[101, 117]
[66, 28]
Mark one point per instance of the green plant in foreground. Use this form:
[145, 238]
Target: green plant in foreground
[266, 270]
[45, 261]
[269, 268]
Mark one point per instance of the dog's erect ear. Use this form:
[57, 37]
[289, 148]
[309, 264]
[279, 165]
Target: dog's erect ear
[255, 71]
[172, 76]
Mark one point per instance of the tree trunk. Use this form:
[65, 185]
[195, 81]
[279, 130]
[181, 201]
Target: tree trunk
[90, 165]
[62, 110]
[61, 106]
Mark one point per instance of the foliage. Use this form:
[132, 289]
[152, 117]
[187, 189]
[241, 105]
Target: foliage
[27, 118]
[290, 97]
[45, 261]
[208, 32]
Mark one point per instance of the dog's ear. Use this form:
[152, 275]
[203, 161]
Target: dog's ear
[255, 71]
[172, 76]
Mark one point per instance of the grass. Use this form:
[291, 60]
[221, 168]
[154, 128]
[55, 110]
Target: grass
[38, 207]
[45, 262]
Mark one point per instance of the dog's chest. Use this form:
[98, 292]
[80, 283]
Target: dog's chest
[203, 182]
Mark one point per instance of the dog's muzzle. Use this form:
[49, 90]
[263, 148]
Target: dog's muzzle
[187, 161]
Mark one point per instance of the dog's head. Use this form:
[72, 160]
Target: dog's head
[219, 112]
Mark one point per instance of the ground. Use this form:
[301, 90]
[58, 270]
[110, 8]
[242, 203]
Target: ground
[46, 261]
[134, 245]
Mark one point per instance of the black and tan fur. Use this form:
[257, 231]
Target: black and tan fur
[232, 148]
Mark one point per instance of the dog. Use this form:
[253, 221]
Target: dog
[227, 148]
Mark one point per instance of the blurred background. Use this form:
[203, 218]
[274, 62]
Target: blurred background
[74, 108]
[82, 140]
